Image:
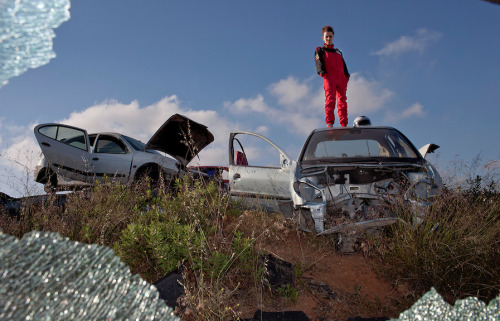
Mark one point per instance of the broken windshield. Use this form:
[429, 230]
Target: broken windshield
[357, 144]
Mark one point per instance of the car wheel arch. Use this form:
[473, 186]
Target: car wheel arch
[49, 178]
[151, 170]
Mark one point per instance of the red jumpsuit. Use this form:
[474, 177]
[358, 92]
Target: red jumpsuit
[331, 66]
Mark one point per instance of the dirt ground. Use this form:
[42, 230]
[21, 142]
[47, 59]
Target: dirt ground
[331, 286]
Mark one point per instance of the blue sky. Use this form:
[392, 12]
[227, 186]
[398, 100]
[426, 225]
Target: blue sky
[429, 68]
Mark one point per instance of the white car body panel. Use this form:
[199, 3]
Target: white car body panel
[266, 185]
[69, 161]
[339, 193]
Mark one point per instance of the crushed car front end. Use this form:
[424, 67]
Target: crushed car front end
[345, 178]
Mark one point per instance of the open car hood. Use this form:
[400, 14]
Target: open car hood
[181, 138]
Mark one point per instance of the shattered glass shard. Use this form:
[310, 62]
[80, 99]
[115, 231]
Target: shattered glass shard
[44, 276]
[26, 32]
[433, 307]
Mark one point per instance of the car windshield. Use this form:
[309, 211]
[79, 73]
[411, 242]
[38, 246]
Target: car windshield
[358, 145]
[138, 145]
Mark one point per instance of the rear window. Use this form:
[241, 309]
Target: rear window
[67, 135]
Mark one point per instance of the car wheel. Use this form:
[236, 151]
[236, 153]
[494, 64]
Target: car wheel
[150, 172]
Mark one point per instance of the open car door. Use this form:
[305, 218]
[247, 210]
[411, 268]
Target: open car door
[66, 150]
[264, 184]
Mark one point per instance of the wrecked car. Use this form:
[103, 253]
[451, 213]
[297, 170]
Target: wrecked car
[342, 179]
[72, 158]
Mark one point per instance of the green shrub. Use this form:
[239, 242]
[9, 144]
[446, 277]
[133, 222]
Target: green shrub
[244, 250]
[157, 248]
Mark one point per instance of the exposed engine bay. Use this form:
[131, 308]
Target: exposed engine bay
[337, 196]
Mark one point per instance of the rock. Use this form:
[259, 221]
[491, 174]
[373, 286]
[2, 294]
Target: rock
[323, 289]
[277, 272]
[170, 287]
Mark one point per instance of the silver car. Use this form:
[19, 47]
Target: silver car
[72, 158]
[342, 178]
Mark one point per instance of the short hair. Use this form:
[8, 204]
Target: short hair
[327, 29]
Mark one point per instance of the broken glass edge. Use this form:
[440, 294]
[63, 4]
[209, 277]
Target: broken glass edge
[44, 276]
[26, 33]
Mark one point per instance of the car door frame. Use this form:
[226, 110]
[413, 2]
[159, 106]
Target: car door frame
[64, 159]
[104, 164]
[268, 184]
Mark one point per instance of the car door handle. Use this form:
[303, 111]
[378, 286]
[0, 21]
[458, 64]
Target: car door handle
[46, 144]
[236, 176]
[95, 158]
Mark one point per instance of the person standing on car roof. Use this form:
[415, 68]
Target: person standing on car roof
[331, 66]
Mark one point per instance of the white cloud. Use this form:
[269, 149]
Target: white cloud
[297, 108]
[414, 110]
[142, 122]
[17, 161]
[129, 119]
[302, 124]
[365, 96]
[301, 108]
[246, 105]
[289, 91]
[263, 130]
[318, 99]
[419, 42]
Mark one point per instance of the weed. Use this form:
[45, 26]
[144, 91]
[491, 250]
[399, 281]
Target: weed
[455, 249]
[289, 292]
[297, 270]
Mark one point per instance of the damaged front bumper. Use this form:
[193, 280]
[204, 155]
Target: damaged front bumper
[335, 199]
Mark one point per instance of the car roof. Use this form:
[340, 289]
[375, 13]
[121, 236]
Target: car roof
[107, 133]
[345, 128]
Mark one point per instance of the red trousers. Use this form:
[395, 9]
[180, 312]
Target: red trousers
[335, 90]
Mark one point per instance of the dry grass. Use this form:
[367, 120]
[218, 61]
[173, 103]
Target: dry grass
[218, 244]
[456, 249]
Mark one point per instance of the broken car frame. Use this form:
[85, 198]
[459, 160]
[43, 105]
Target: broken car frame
[342, 179]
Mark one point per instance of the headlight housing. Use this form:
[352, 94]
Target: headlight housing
[421, 186]
[307, 190]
